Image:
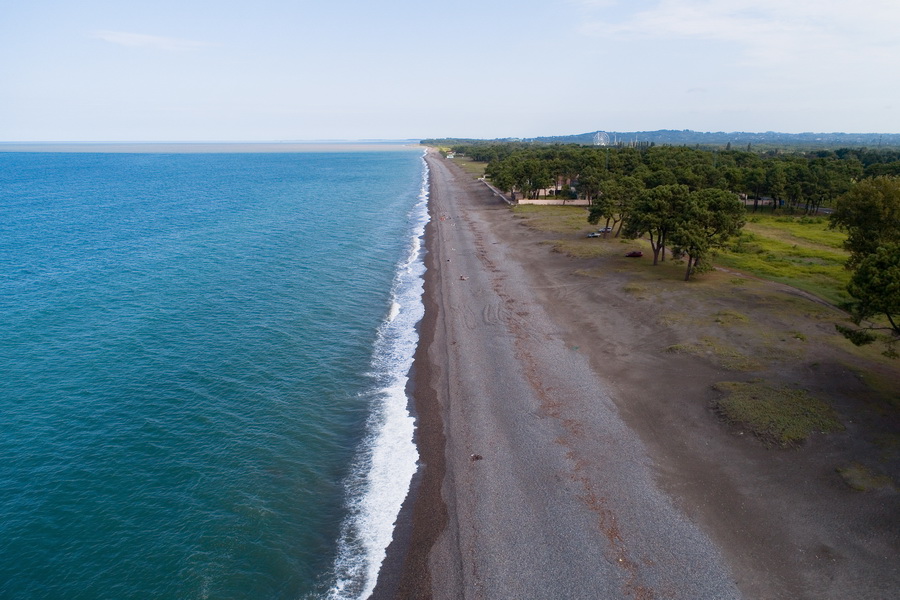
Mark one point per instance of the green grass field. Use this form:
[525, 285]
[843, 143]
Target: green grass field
[799, 251]
[557, 219]
[475, 169]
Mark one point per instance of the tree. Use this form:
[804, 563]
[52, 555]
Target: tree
[522, 173]
[590, 185]
[624, 198]
[829, 178]
[733, 179]
[709, 176]
[875, 286]
[776, 182]
[755, 180]
[660, 177]
[616, 200]
[799, 184]
[656, 213]
[709, 219]
[870, 214]
[501, 175]
[531, 175]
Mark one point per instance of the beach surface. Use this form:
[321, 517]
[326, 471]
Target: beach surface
[562, 457]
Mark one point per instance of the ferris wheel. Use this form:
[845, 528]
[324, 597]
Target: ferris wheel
[601, 138]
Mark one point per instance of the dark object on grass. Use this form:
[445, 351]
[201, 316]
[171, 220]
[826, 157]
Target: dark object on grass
[635, 254]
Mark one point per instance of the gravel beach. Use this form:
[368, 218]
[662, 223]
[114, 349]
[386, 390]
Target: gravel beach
[535, 480]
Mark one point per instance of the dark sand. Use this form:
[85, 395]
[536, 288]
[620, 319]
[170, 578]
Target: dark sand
[564, 456]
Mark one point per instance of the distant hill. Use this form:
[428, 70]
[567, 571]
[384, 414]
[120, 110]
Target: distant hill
[737, 139]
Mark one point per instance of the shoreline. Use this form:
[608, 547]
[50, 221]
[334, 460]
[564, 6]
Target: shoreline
[404, 573]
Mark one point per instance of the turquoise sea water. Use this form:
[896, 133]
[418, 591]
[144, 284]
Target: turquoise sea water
[202, 365]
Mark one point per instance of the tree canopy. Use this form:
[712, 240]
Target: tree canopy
[709, 219]
[870, 214]
[796, 182]
[657, 213]
[876, 286]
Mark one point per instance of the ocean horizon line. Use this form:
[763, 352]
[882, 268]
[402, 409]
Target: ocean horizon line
[170, 147]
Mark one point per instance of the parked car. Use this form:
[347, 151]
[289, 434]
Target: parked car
[635, 254]
[600, 232]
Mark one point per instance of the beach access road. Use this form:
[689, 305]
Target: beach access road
[545, 492]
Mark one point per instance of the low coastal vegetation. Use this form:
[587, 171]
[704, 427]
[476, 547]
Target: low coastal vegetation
[799, 251]
[722, 353]
[779, 416]
[471, 166]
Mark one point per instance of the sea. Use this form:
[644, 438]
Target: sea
[204, 360]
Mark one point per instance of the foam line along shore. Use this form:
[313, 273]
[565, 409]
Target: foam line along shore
[385, 467]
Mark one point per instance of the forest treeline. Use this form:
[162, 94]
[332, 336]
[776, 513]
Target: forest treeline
[797, 182]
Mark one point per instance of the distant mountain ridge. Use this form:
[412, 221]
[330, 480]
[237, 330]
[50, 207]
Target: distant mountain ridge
[738, 140]
[735, 138]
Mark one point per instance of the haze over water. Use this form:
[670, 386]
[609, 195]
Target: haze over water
[199, 355]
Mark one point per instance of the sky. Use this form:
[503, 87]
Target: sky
[286, 70]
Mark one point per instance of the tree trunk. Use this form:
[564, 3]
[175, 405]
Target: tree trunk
[655, 246]
[894, 325]
[690, 266]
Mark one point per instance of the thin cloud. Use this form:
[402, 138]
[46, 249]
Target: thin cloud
[595, 3]
[141, 40]
[767, 30]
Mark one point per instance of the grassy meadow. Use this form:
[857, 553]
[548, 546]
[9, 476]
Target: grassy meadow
[798, 251]
[473, 168]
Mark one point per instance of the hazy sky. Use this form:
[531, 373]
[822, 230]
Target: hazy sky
[353, 69]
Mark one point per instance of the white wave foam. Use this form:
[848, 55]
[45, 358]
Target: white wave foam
[395, 310]
[382, 475]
